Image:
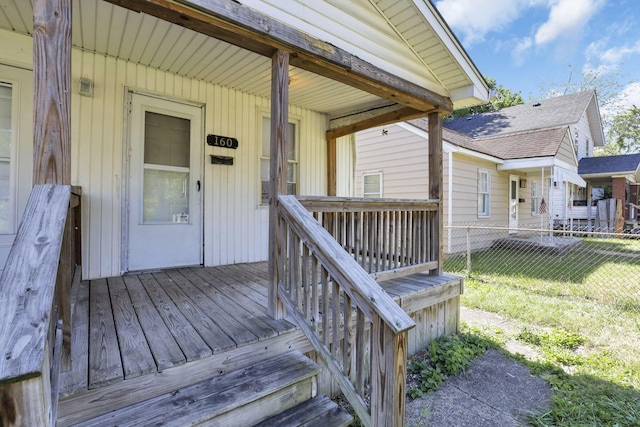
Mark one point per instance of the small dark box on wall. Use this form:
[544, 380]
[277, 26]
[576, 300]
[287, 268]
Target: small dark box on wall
[221, 160]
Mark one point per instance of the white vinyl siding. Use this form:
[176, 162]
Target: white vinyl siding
[484, 193]
[401, 156]
[372, 184]
[236, 227]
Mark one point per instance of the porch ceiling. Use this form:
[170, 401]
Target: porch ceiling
[101, 27]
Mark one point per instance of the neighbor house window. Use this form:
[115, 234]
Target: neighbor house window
[372, 184]
[292, 169]
[535, 197]
[484, 192]
[6, 134]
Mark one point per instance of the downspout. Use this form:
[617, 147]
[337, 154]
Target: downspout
[450, 201]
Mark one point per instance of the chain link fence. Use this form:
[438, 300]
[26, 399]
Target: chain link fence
[592, 265]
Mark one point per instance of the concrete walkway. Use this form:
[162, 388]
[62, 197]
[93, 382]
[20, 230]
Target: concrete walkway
[494, 391]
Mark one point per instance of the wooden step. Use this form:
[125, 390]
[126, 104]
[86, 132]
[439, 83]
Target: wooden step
[319, 411]
[242, 397]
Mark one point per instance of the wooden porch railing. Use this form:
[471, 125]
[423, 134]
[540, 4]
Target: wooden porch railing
[387, 237]
[358, 331]
[34, 303]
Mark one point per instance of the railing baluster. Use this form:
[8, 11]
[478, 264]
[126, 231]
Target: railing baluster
[347, 337]
[325, 306]
[315, 307]
[335, 336]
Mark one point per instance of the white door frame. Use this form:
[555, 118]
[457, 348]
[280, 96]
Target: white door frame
[514, 183]
[127, 165]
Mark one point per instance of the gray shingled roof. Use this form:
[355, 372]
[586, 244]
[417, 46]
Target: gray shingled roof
[627, 163]
[552, 112]
[520, 145]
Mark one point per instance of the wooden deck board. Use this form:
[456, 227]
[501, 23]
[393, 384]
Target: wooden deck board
[192, 345]
[237, 332]
[76, 378]
[237, 280]
[134, 349]
[105, 365]
[238, 304]
[164, 347]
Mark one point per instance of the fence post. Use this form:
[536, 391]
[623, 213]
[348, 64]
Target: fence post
[468, 251]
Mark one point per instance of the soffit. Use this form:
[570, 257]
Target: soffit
[107, 29]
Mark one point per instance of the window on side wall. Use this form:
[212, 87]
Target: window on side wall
[484, 193]
[6, 135]
[292, 160]
[535, 198]
[372, 184]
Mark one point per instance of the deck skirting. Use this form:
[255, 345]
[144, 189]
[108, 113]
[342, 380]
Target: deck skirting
[433, 302]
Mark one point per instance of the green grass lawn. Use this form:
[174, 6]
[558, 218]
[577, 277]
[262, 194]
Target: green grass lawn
[581, 312]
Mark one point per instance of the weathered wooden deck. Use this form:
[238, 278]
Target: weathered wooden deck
[135, 336]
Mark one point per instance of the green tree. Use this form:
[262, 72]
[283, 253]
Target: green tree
[624, 132]
[504, 98]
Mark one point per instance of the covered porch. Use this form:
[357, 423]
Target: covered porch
[325, 257]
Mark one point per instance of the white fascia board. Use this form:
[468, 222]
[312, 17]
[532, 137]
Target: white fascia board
[469, 92]
[448, 147]
[535, 162]
[627, 175]
[441, 29]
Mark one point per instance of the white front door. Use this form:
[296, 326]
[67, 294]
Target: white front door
[514, 181]
[164, 182]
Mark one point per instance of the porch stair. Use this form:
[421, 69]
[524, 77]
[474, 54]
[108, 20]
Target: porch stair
[282, 387]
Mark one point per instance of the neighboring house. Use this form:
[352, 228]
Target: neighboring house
[186, 124]
[616, 177]
[498, 166]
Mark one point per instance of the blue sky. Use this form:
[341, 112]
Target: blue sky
[523, 43]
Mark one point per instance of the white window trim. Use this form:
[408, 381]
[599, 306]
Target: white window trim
[486, 214]
[366, 174]
[535, 207]
[12, 219]
[294, 121]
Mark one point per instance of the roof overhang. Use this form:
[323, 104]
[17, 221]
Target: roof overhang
[246, 28]
[564, 175]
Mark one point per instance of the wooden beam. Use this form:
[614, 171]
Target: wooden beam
[331, 167]
[435, 185]
[244, 27]
[277, 173]
[369, 119]
[52, 97]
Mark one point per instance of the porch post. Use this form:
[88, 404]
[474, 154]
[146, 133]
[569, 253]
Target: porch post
[52, 99]
[52, 127]
[277, 174]
[331, 167]
[435, 185]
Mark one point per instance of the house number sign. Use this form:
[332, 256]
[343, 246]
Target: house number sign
[222, 141]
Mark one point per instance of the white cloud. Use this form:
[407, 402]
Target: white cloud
[475, 20]
[615, 54]
[520, 51]
[566, 17]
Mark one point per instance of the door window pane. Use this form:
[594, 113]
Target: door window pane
[6, 222]
[166, 140]
[166, 196]
[166, 169]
